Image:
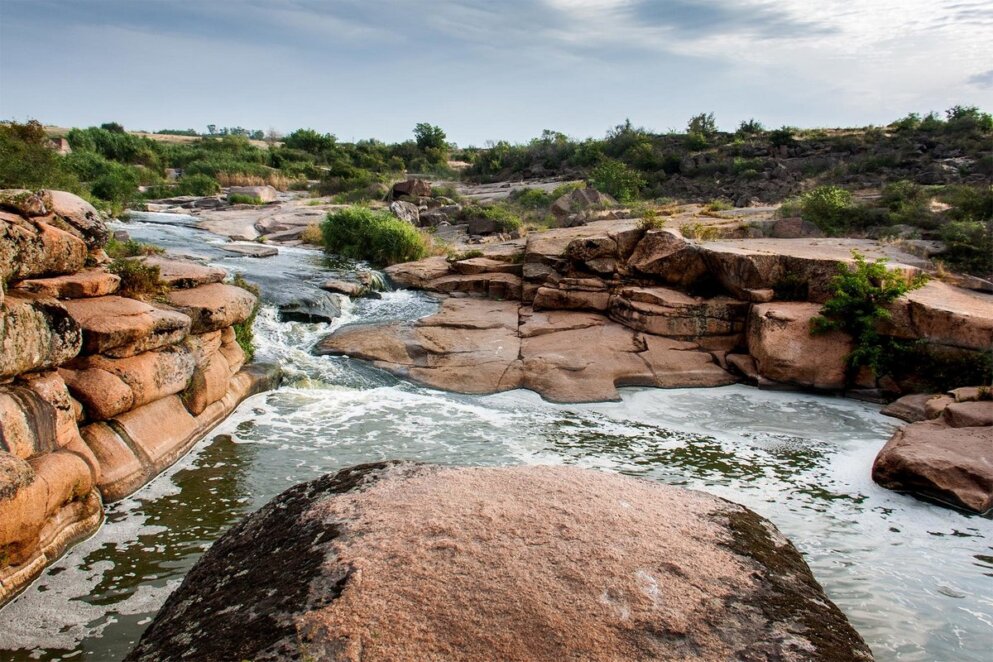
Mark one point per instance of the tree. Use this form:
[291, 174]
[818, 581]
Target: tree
[211, 129]
[703, 124]
[428, 136]
[113, 127]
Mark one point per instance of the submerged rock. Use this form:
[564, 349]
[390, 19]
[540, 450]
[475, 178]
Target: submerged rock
[411, 562]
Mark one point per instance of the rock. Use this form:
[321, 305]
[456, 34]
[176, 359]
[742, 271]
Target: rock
[150, 376]
[794, 228]
[418, 275]
[969, 393]
[344, 287]
[557, 298]
[969, 414]
[183, 274]
[208, 383]
[23, 202]
[757, 264]
[48, 504]
[120, 327]
[87, 283]
[408, 562]
[502, 286]
[102, 394]
[299, 304]
[944, 315]
[665, 255]
[485, 265]
[406, 212]
[481, 346]
[935, 406]
[250, 249]
[77, 216]
[262, 193]
[412, 187]
[136, 446]
[50, 387]
[784, 349]
[579, 200]
[35, 334]
[215, 306]
[28, 423]
[30, 249]
[909, 408]
[667, 312]
[953, 466]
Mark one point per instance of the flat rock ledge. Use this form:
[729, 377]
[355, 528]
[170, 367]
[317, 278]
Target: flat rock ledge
[398, 561]
[483, 346]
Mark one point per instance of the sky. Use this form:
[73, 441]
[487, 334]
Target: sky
[487, 70]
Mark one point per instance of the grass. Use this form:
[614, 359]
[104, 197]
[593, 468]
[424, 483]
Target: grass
[700, 231]
[244, 199]
[312, 235]
[378, 237]
[464, 255]
[244, 332]
[130, 248]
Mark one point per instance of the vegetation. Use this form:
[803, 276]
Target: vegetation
[138, 280]
[244, 199]
[617, 179]
[244, 332]
[378, 237]
[130, 248]
[859, 304]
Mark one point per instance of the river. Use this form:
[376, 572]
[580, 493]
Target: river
[916, 580]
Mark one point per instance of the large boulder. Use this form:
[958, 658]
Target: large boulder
[32, 248]
[260, 193]
[667, 256]
[930, 459]
[406, 211]
[785, 350]
[577, 201]
[75, 215]
[412, 562]
[412, 187]
[214, 306]
[80, 285]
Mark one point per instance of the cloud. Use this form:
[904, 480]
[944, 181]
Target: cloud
[983, 80]
[689, 19]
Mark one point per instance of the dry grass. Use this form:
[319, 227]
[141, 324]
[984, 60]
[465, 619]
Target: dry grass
[274, 179]
[312, 235]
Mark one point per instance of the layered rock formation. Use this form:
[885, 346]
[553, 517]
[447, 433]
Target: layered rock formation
[98, 392]
[414, 562]
[744, 306]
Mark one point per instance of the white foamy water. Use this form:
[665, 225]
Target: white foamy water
[913, 578]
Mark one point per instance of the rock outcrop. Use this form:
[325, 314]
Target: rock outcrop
[482, 346]
[946, 454]
[98, 392]
[747, 302]
[404, 562]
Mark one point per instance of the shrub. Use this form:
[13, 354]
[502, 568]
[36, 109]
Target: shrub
[651, 219]
[857, 306]
[244, 199]
[376, 236]
[118, 187]
[130, 248]
[828, 207]
[531, 198]
[719, 204]
[703, 124]
[750, 127]
[783, 136]
[27, 161]
[563, 189]
[312, 235]
[244, 332]
[465, 255]
[199, 184]
[504, 218]
[138, 280]
[617, 179]
[969, 246]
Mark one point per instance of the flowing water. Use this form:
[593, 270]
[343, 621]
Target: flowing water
[916, 580]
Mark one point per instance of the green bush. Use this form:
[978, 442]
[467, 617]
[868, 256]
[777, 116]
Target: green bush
[119, 187]
[197, 184]
[617, 179]
[969, 247]
[138, 280]
[130, 248]
[857, 306]
[828, 207]
[378, 237]
[27, 161]
[244, 199]
[531, 198]
[504, 218]
[244, 332]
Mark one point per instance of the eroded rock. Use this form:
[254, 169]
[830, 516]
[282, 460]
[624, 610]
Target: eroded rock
[404, 562]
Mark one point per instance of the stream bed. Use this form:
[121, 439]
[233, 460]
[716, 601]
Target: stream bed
[916, 580]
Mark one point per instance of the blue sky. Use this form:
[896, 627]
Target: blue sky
[488, 70]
